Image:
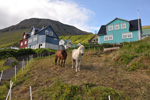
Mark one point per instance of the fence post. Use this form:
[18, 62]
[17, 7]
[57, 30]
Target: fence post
[1, 75]
[22, 66]
[15, 72]
[9, 92]
[27, 61]
[30, 93]
[108, 97]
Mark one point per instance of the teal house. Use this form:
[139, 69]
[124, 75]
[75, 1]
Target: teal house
[120, 30]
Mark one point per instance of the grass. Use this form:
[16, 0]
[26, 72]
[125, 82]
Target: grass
[2, 61]
[98, 78]
[84, 39]
[12, 39]
[48, 81]
[135, 55]
[146, 27]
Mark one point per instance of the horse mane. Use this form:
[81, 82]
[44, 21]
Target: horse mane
[81, 46]
[63, 52]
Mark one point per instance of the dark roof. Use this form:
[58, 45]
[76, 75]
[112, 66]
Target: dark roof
[102, 30]
[132, 27]
[37, 30]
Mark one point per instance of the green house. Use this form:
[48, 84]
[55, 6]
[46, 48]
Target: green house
[120, 30]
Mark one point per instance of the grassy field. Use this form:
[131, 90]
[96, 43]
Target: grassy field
[10, 39]
[122, 74]
[146, 27]
[2, 61]
[84, 39]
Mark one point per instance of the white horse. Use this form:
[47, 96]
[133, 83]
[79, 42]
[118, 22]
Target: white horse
[77, 56]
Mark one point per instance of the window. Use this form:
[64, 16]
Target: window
[30, 40]
[24, 36]
[55, 38]
[25, 42]
[21, 43]
[35, 39]
[127, 35]
[108, 37]
[46, 32]
[110, 27]
[123, 25]
[117, 27]
[51, 33]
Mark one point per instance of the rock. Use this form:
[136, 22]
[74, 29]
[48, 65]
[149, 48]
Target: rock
[9, 62]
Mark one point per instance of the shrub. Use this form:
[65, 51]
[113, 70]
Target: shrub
[126, 57]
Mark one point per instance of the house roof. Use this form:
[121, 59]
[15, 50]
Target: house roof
[102, 30]
[37, 30]
[133, 25]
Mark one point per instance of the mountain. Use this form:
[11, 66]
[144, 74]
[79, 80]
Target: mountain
[60, 28]
[11, 36]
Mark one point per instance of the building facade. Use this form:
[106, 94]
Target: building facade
[120, 30]
[43, 38]
[24, 41]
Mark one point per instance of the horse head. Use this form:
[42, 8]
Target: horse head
[81, 48]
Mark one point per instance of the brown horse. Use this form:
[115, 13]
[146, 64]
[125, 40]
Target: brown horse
[61, 55]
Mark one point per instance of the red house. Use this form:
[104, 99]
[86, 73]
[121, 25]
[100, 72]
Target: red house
[24, 41]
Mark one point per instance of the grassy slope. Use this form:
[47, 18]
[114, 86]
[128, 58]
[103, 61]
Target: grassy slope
[103, 74]
[8, 39]
[84, 39]
[1, 65]
[146, 27]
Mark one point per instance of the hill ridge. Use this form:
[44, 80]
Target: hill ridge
[60, 28]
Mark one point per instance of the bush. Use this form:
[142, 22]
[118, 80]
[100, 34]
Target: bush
[126, 57]
[15, 53]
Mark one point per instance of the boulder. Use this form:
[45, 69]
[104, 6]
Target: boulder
[9, 62]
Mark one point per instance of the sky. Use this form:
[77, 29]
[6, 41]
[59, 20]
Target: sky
[87, 15]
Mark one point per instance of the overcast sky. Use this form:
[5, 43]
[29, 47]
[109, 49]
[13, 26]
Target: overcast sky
[87, 15]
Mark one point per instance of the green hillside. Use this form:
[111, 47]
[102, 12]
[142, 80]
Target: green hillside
[123, 74]
[84, 39]
[11, 38]
[146, 27]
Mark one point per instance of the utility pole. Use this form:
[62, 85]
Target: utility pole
[139, 30]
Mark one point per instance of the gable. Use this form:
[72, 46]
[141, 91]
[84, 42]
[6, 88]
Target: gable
[117, 21]
[48, 31]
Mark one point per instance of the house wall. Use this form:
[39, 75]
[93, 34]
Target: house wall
[117, 34]
[23, 41]
[44, 40]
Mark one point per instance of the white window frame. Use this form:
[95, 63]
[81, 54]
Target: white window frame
[123, 26]
[30, 40]
[35, 39]
[117, 26]
[21, 43]
[46, 32]
[25, 42]
[24, 36]
[51, 33]
[108, 37]
[127, 35]
[110, 27]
